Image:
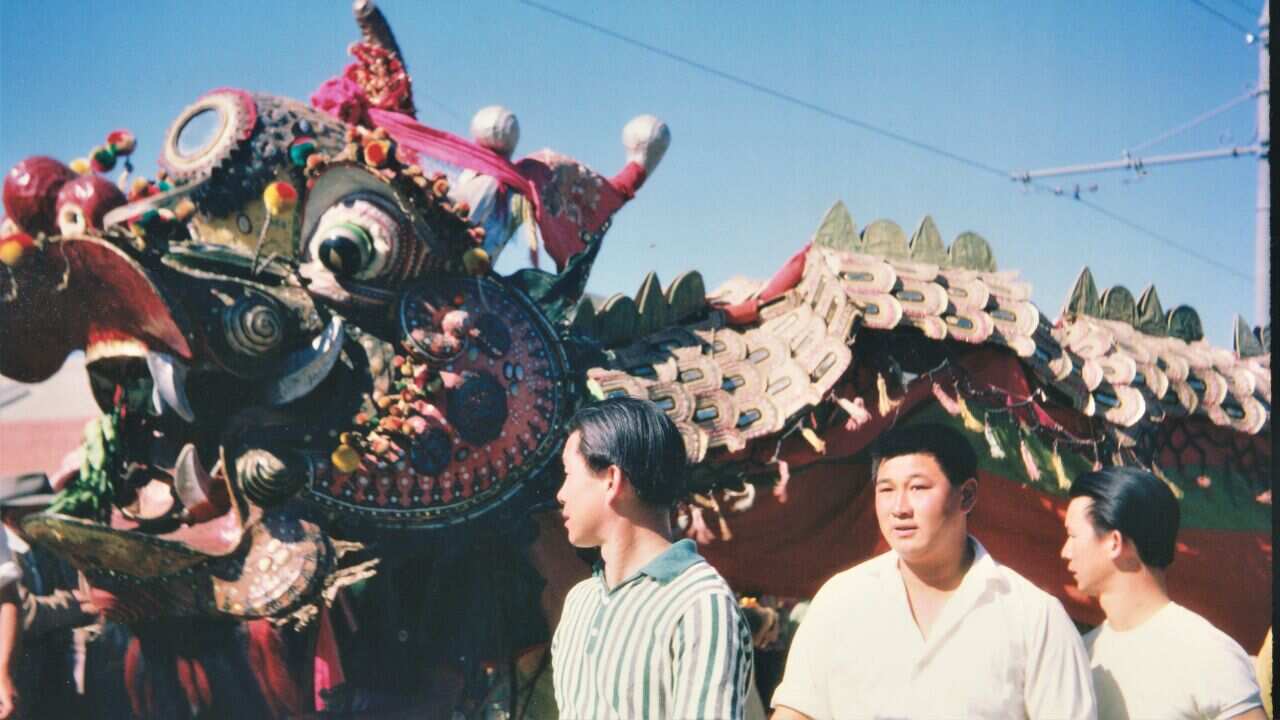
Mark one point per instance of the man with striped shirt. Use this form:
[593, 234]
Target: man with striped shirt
[655, 632]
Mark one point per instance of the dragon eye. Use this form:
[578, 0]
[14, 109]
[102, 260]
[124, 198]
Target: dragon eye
[345, 249]
[356, 238]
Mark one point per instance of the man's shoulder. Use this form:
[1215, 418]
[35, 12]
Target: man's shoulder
[1192, 629]
[1022, 588]
[700, 579]
[858, 578]
[580, 588]
[1024, 603]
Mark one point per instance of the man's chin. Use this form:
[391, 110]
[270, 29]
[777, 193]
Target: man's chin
[907, 548]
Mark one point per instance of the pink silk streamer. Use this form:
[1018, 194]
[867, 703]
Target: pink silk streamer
[454, 150]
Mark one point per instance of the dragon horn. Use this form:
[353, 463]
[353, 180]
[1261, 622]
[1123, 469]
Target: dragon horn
[375, 30]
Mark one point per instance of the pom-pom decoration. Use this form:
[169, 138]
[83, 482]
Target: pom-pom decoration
[280, 198]
[345, 459]
[13, 247]
[122, 142]
[102, 159]
[476, 261]
[301, 150]
[377, 152]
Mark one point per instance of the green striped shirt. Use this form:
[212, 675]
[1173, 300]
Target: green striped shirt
[667, 643]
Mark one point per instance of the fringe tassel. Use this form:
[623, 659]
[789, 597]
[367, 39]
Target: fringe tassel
[740, 501]
[698, 527]
[971, 422]
[1060, 469]
[947, 402]
[882, 389]
[1029, 460]
[784, 476]
[818, 444]
[993, 443]
[857, 412]
[682, 517]
[1158, 472]
[725, 534]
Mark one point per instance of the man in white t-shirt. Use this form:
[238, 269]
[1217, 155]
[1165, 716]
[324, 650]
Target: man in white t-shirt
[1151, 658]
[935, 628]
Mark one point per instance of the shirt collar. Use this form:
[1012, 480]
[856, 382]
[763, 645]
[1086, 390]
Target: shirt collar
[673, 561]
[666, 566]
[983, 570]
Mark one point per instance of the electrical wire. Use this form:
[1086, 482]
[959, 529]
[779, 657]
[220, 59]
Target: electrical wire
[1221, 17]
[776, 94]
[1244, 7]
[1161, 238]
[442, 105]
[1193, 122]
[862, 124]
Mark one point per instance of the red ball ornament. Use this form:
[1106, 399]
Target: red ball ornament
[122, 142]
[84, 201]
[31, 193]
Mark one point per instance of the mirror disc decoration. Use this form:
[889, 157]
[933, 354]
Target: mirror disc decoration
[503, 392]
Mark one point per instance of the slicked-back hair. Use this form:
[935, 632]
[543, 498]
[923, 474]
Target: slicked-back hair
[944, 444]
[1136, 503]
[641, 440]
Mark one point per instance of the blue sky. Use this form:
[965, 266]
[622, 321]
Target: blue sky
[748, 177]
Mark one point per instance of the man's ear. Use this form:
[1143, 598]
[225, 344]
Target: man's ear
[968, 494]
[615, 481]
[1113, 542]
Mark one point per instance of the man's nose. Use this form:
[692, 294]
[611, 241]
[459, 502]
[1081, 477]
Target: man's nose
[901, 503]
[1065, 552]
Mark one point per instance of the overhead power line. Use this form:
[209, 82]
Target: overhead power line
[1253, 12]
[1157, 236]
[1194, 122]
[777, 94]
[1221, 17]
[872, 128]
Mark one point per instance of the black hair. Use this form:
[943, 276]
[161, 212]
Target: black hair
[944, 444]
[641, 440]
[1136, 503]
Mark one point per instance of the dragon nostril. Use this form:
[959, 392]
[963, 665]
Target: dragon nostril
[346, 249]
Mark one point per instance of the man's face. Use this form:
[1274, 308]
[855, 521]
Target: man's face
[921, 515]
[1087, 554]
[582, 497]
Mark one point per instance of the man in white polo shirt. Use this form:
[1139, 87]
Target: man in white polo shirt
[934, 628]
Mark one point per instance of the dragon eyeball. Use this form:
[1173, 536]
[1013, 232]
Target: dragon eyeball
[356, 239]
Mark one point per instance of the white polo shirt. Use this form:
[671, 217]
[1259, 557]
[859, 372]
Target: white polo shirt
[1000, 648]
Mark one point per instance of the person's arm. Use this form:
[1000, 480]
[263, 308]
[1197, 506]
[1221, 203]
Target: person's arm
[1059, 683]
[803, 692]
[9, 638]
[58, 609]
[1228, 685]
[712, 656]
